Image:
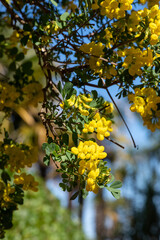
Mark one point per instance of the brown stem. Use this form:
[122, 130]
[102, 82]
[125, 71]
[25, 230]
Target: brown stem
[119, 145]
[13, 14]
[122, 117]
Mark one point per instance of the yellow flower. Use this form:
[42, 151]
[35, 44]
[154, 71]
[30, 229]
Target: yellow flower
[62, 105]
[74, 150]
[145, 101]
[27, 181]
[153, 39]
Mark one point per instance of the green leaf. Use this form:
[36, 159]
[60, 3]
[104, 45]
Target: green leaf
[24, 40]
[5, 176]
[75, 138]
[47, 148]
[44, 145]
[20, 57]
[56, 147]
[69, 155]
[65, 180]
[59, 86]
[27, 64]
[54, 3]
[64, 175]
[113, 188]
[101, 186]
[69, 188]
[67, 88]
[64, 16]
[116, 184]
[46, 160]
[59, 24]
[74, 195]
[26, 67]
[13, 51]
[12, 66]
[94, 94]
[64, 158]
[50, 140]
[115, 192]
[27, 27]
[89, 3]
[63, 186]
[64, 166]
[19, 194]
[84, 193]
[112, 178]
[50, 148]
[93, 103]
[65, 138]
[100, 83]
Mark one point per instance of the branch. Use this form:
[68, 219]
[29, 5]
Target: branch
[75, 48]
[122, 118]
[119, 145]
[74, 68]
[13, 14]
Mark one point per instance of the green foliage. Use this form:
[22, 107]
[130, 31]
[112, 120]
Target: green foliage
[114, 188]
[11, 192]
[41, 217]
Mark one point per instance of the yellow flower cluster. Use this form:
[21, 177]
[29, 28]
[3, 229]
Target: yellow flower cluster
[154, 25]
[52, 27]
[153, 18]
[80, 103]
[133, 24]
[70, 6]
[89, 153]
[152, 121]
[5, 193]
[108, 72]
[14, 157]
[92, 48]
[145, 102]
[108, 107]
[151, 3]
[32, 94]
[100, 125]
[136, 59]
[95, 50]
[113, 8]
[19, 158]
[8, 100]
[15, 39]
[95, 61]
[27, 181]
[46, 38]
[108, 37]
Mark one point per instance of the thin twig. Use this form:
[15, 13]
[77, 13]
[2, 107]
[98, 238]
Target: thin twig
[122, 117]
[119, 145]
[13, 14]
